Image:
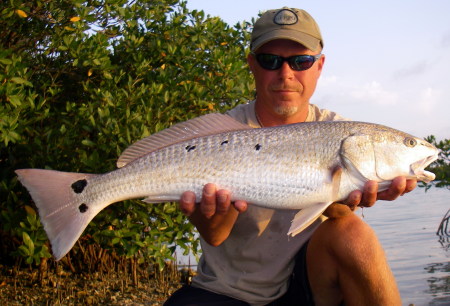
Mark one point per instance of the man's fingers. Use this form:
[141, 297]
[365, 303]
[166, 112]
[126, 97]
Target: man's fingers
[397, 188]
[369, 196]
[213, 202]
[187, 203]
[223, 202]
[208, 202]
[410, 185]
[354, 198]
[240, 206]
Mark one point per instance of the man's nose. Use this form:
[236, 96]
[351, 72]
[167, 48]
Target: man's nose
[286, 71]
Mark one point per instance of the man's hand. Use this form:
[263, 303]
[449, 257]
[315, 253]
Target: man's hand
[400, 185]
[367, 198]
[215, 215]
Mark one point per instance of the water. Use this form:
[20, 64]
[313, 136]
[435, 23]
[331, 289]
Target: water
[406, 228]
[419, 259]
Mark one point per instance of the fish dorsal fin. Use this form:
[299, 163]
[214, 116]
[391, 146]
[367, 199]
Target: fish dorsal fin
[205, 125]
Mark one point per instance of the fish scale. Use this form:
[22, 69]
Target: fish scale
[212, 161]
[304, 166]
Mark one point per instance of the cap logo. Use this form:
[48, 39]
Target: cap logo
[285, 17]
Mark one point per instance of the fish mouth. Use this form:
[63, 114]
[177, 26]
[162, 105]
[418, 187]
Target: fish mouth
[418, 169]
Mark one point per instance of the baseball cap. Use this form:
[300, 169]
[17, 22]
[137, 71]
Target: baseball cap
[286, 23]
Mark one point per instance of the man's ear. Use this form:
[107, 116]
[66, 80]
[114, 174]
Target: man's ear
[321, 63]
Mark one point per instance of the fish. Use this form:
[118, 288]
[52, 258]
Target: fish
[302, 166]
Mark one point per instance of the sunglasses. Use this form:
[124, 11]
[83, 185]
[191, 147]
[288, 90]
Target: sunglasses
[296, 62]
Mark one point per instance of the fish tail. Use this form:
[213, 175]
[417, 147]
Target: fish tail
[62, 211]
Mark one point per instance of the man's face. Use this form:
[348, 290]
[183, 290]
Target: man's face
[284, 92]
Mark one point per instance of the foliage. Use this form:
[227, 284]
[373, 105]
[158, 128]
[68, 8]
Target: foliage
[441, 167]
[83, 79]
[35, 246]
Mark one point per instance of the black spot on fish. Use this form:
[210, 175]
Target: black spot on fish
[189, 148]
[258, 147]
[83, 208]
[224, 142]
[78, 186]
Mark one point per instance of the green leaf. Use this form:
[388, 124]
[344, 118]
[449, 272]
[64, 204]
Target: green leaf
[88, 143]
[6, 61]
[19, 80]
[107, 75]
[23, 251]
[28, 242]
[15, 100]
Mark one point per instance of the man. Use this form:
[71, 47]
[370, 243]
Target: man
[247, 256]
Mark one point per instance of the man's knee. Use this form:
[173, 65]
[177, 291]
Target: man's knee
[345, 257]
[348, 239]
[335, 247]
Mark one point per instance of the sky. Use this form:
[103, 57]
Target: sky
[387, 61]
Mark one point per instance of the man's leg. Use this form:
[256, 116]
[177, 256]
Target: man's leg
[346, 262]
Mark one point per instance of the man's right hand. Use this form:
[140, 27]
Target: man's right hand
[215, 215]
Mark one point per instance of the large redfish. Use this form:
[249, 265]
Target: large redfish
[304, 166]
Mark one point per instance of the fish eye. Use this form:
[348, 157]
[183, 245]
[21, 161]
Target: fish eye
[410, 142]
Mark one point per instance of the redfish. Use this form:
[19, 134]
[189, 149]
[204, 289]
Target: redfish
[303, 166]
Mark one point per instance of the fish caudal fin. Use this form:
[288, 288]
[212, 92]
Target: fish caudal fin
[57, 197]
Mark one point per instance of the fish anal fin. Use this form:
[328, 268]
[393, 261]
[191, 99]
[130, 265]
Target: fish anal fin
[205, 125]
[306, 217]
[160, 199]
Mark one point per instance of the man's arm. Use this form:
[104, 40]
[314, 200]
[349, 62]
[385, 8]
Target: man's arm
[215, 215]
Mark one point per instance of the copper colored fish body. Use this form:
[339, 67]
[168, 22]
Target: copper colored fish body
[285, 167]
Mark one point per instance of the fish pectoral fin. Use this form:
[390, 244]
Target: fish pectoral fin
[306, 217]
[336, 182]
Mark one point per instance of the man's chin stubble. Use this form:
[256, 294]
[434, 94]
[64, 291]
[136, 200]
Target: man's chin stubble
[286, 111]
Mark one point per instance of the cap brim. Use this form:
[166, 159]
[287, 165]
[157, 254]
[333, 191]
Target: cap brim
[304, 39]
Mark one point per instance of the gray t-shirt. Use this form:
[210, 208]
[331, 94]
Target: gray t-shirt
[254, 263]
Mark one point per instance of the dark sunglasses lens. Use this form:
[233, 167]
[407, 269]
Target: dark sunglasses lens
[269, 61]
[301, 62]
[274, 62]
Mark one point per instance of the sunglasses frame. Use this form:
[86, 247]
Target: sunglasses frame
[290, 60]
